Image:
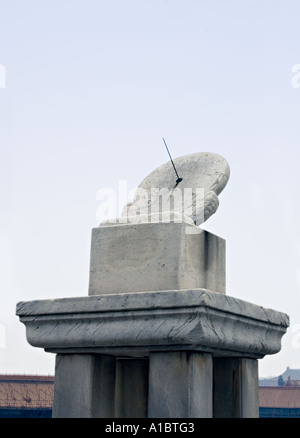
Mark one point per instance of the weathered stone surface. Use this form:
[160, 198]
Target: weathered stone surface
[155, 257]
[137, 323]
[235, 388]
[180, 385]
[131, 390]
[84, 386]
[193, 200]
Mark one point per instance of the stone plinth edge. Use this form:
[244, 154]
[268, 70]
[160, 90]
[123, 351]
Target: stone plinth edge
[136, 324]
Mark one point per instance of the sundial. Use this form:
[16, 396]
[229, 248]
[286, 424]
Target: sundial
[157, 317]
[185, 189]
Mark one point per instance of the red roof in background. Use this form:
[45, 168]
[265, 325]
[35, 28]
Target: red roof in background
[18, 390]
[25, 378]
[279, 396]
[26, 391]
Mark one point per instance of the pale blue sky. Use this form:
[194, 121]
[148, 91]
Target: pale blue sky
[92, 87]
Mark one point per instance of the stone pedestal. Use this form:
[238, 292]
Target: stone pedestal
[157, 337]
[155, 257]
[172, 354]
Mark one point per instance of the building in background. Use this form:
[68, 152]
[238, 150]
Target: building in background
[279, 402]
[26, 396]
[32, 396]
[289, 375]
[279, 397]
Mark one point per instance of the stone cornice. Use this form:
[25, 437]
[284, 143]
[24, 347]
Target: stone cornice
[135, 324]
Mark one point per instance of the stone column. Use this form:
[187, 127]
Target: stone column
[131, 388]
[235, 388]
[180, 385]
[84, 386]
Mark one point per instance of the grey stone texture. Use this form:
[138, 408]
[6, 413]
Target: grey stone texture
[180, 385]
[200, 347]
[84, 386]
[131, 390]
[164, 385]
[169, 354]
[136, 324]
[235, 388]
[155, 257]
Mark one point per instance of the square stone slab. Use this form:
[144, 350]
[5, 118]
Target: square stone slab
[155, 257]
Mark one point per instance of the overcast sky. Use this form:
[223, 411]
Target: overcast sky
[88, 90]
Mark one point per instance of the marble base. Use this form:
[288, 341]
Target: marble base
[171, 354]
[136, 324]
